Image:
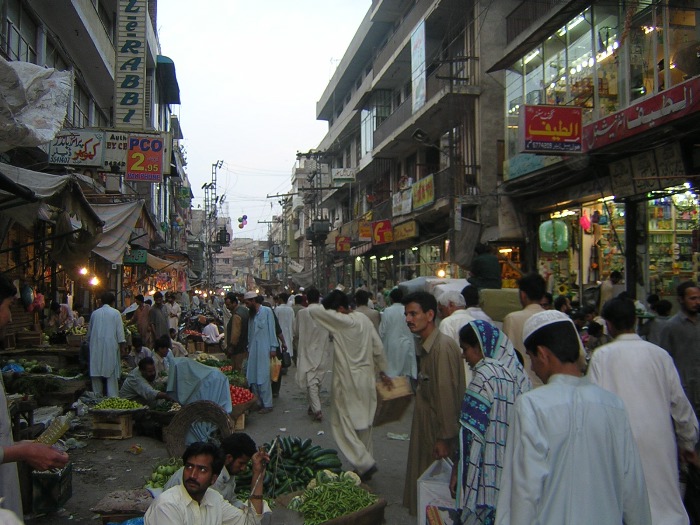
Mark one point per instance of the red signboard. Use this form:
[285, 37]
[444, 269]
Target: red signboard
[669, 105]
[382, 232]
[342, 244]
[551, 129]
[144, 159]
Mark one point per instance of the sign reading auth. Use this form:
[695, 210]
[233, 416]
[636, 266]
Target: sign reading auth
[144, 161]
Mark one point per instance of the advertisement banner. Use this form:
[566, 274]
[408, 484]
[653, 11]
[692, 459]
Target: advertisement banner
[144, 160]
[342, 244]
[551, 129]
[418, 66]
[382, 232]
[72, 147]
[136, 257]
[116, 147]
[401, 202]
[423, 192]
[130, 65]
[364, 231]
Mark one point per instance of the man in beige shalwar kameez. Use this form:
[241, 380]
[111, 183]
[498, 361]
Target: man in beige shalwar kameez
[441, 386]
[358, 356]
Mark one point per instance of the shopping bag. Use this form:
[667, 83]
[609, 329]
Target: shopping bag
[435, 504]
[286, 359]
[275, 368]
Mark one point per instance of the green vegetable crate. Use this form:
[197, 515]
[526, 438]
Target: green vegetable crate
[51, 489]
[112, 426]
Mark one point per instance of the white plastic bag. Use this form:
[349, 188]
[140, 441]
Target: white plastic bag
[435, 504]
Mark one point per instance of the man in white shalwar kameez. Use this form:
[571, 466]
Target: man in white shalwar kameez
[313, 349]
[662, 419]
[358, 355]
[399, 342]
[285, 315]
[107, 340]
[570, 456]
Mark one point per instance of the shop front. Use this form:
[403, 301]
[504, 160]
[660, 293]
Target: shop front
[616, 189]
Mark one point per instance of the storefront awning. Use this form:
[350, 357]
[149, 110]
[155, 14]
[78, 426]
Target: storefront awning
[167, 79]
[119, 220]
[163, 264]
[361, 249]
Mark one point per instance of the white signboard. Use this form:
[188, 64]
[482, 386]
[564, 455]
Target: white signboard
[73, 147]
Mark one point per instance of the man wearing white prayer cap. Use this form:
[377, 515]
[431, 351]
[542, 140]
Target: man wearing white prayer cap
[568, 433]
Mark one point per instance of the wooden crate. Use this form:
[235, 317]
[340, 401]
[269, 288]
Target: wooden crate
[74, 340]
[112, 427]
[28, 338]
[391, 404]
[239, 423]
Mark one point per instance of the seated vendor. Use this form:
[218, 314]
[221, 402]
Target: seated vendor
[138, 352]
[237, 448]
[210, 333]
[177, 348]
[162, 355]
[138, 385]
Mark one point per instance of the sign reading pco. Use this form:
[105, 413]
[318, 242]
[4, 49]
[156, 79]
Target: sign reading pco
[144, 161]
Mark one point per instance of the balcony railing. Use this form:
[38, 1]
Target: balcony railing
[402, 32]
[450, 77]
[456, 180]
[526, 14]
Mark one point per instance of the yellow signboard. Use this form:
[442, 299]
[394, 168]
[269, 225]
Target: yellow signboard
[423, 192]
[406, 230]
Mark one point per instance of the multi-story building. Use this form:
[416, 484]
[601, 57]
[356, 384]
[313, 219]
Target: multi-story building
[601, 142]
[414, 143]
[119, 140]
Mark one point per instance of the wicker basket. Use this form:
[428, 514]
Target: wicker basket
[74, 340]
[368, 516]
[207, 411]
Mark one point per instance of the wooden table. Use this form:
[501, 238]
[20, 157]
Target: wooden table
[21, 408]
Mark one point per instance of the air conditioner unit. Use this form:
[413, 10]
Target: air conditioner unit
[113, 184]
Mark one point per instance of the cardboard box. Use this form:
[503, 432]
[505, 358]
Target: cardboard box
[239, 423]
[391, 404]
[435, 504]
[51, 489]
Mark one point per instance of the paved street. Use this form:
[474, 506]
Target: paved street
[105, 465]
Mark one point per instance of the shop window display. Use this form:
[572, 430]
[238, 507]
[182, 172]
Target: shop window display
[607, 41]
[683, 42]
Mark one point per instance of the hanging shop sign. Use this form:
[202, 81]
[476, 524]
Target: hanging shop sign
[342, 244]
[551, 129]
[130, 65]
[364, 229]
[405, 230]
[342, 175]
[136, 257]
[648, 171]
[382, 232]
[418, 76]
[144, 159]
[72, 147]
[671, 104]
[423, 192]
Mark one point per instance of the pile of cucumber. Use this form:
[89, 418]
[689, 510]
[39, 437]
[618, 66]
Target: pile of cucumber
[294, 462]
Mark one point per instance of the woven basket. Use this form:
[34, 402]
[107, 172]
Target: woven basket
[206, 411]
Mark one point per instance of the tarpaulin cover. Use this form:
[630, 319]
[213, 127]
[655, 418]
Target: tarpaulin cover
[119, 220]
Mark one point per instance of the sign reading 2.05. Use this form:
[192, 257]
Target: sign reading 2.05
[144, 161]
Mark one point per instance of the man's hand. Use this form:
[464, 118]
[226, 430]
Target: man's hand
[453, 481]
[260, 460]
[41, 457]
[388, 383]
[442, 449]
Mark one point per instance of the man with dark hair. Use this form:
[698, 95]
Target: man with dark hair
[313, 353]
[107, 342]
[471, 300]
[158, 317]
[37, 455]
[285, 317]
[358, 356]
[238, 449]
[140, 317]
[362, 302]
[162, 355]
[399, 343]
[138, 351]
[193, 502]
[532, 288]
[441, 386]
[485, 269]
[562, 304]
[611, 287]
[662, 419]
[655, 326]
[236, 331]
[680, 336]
[138, 385]
[570, 455]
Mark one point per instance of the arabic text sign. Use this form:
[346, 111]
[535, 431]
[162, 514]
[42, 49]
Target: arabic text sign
[665, 107]
[364, 231]
[144, 160]
[382, 232]
[77, 148]
[551, 129]
[406, 230]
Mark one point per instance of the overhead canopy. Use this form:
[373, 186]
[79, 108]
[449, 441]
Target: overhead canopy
[119, 220]
[163, 264]
[167, 79]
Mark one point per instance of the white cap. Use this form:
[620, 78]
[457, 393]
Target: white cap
[250, 295]
[542, 319]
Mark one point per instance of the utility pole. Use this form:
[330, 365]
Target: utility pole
[210, 222]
